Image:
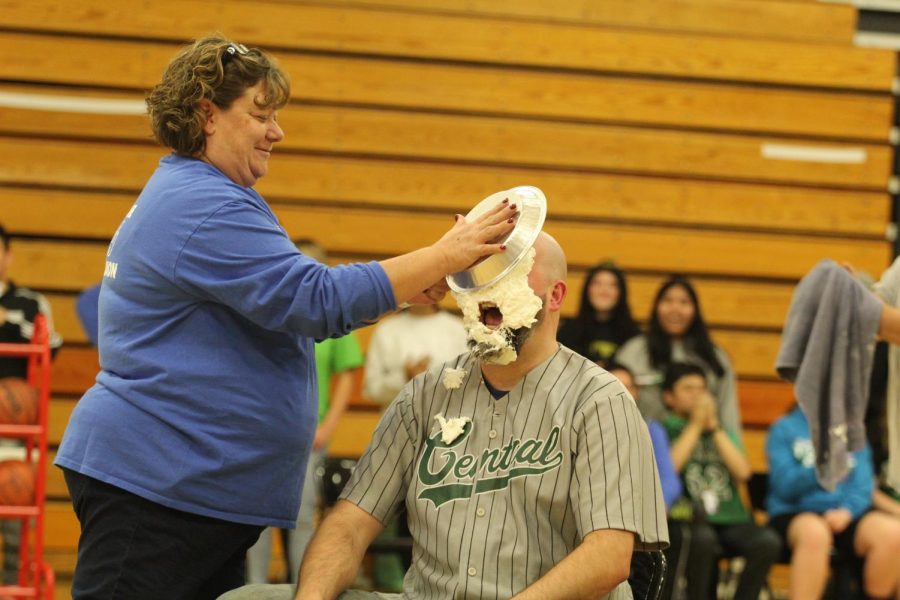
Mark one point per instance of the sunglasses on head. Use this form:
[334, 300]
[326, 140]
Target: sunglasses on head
[233, 50]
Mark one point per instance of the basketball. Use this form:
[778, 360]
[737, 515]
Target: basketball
[18, 402]
[16, 483]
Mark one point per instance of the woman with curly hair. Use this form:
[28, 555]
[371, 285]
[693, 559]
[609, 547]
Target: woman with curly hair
[197, 432]
[678, 333]
[604, 320]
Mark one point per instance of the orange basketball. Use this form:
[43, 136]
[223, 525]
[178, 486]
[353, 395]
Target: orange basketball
[16, 483]
[18, 402]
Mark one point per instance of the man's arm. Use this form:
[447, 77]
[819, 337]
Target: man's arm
[336, 551]
[595, 568]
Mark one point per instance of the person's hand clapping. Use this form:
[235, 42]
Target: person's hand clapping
[712, 418]
[699, 414]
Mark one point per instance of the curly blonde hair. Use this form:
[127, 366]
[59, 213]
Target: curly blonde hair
[213, 68]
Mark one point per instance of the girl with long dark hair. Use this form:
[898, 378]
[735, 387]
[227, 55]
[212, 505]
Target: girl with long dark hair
[678, 333]
[604, 320]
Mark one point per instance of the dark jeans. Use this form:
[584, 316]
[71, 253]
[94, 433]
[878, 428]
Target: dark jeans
[134, 549]
[693, 554]
[760, 548]
[696, 548]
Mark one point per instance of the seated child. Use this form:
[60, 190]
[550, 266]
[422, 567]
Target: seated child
[813, 520]
[712, 463]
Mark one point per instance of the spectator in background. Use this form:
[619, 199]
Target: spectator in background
[677, 333]
[403, 346]
[19, 307]
[668, 476]
[336, 361]
[712, 464]
[407, 344]
[812, 519]
[604, 320]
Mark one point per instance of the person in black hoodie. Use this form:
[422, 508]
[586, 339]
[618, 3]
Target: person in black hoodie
[604, 320]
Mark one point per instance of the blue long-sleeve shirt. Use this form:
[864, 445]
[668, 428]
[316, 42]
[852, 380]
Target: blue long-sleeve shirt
[793, 486]
[207, 397]
[668, 477]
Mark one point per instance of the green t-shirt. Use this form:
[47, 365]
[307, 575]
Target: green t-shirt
[334, 355]
[706, 478]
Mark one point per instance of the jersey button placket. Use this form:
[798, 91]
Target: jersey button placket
[474, 534]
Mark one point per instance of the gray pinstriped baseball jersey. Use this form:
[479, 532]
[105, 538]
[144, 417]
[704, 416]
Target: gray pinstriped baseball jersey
[563, 454]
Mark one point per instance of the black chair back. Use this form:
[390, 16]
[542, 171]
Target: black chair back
[332, 475]
[648, 574]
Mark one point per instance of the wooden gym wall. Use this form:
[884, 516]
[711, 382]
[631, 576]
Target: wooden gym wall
[736, 141]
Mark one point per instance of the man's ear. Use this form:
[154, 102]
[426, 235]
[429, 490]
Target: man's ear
[209, 110]
[557, 294]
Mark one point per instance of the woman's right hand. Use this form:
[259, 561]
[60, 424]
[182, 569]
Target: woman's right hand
[467, 242]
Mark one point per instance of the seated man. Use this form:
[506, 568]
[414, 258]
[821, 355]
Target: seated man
[529, 479]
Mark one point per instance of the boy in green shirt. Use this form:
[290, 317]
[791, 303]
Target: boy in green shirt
[712, 463]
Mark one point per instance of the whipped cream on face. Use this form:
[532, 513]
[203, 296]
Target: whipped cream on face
[451, 428]
[453, 378]
[518, 304]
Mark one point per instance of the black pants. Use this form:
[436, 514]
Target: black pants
[698, 546]
[759, 546]
[134, 549]
[693, 554]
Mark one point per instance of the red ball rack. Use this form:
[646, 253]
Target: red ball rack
[36, 578]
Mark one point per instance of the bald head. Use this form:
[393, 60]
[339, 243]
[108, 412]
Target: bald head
[549, 262]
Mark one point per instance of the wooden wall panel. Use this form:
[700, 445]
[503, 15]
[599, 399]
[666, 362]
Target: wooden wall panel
[571, 146]
[74, 370]
[736, 18]
[814, 21]
[487, 90]
[61, 526]
[422, 186]
[523, 143]
[365, 31]
[65, 318]
[61, 408]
